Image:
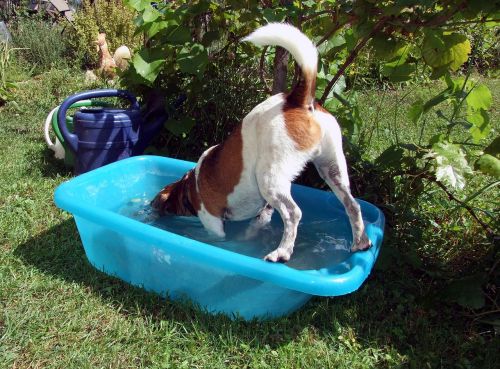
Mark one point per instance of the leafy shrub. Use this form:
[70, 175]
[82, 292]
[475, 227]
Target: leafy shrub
[190, 49]
[6, 84]
[111, 17]
[43, 44]
[213, 108]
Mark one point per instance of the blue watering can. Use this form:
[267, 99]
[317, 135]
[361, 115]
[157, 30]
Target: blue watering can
[104, 135]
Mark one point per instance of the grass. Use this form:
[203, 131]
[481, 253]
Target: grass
[56, 311]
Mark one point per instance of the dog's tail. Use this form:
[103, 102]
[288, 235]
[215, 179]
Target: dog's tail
[302, 50]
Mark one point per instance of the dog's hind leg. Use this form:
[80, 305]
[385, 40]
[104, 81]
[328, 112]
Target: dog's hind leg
[332, 167]
[276, 191]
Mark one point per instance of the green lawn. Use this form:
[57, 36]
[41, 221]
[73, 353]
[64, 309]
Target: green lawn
[56, 311]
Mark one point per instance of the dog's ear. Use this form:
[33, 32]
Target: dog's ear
[160, 202]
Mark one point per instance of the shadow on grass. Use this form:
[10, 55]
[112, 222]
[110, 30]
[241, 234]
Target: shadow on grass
[50, 167]
[385, 312]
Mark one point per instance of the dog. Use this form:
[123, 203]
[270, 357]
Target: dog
[250, 174]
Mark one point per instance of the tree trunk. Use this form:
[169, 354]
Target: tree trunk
[280, 70]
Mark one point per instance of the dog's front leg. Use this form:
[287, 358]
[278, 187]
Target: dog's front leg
[211, 223]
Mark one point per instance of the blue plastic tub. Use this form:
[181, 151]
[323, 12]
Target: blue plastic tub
[122, 238]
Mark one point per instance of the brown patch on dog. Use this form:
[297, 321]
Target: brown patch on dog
[179, 198]
[220, 172]
[301, 127]
[303, 92]
[300, 123]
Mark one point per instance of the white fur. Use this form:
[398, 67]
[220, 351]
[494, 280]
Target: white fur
[289, 38]
[272, 160]
[211, 223]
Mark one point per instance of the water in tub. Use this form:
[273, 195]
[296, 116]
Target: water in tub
[320, 242]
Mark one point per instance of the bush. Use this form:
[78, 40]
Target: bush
[111, 17]
[213, 107]
[6, 83]
[44, 45]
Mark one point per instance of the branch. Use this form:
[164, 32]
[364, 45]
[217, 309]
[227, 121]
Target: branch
[351, 58]
[442, 18]
[463, 204]
[482, 20]
[314, 15]
[335, 28]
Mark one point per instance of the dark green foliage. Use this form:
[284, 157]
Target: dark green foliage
[196, 49]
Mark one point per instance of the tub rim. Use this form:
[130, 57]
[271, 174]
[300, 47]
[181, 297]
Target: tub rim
[326, 281]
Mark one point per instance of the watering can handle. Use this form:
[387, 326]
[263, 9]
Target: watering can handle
[46, 128]
[71, 138]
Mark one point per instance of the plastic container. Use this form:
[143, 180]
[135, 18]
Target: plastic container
[104, 135]
[232, 279]
[60, 146]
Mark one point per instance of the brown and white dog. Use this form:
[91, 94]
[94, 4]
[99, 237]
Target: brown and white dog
[250, 173]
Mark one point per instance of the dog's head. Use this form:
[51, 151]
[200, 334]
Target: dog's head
[176, 198]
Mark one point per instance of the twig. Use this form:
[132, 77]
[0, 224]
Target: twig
[335, 28]
[463, 204]
[351, 58]
[476, 21]
[314, 15]
[478, 315]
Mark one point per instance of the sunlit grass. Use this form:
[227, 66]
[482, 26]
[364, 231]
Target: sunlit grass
[56, 311]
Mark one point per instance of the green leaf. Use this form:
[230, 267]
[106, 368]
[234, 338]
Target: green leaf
[180, 127]
[322, 81]
[148, 63]
[248, 16]
[150, 14]
[332, 43]
[199, 8]
[387, 48]
[193, 59]
[210, 37]
[480, 123]
[416, 111]
[451, 164]
[152, 29]
[479, 97]
[439, 72]
[350, 39]
[467, 292]
[490, 165]
[178, 35]
[274, 14]
[494, 148]
[138, 5]
[398, 72]
[445, 49]
[438, 99]
[391, 157]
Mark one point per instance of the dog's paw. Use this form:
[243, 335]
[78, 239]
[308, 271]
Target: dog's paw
[280, 254]
[363, 244]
